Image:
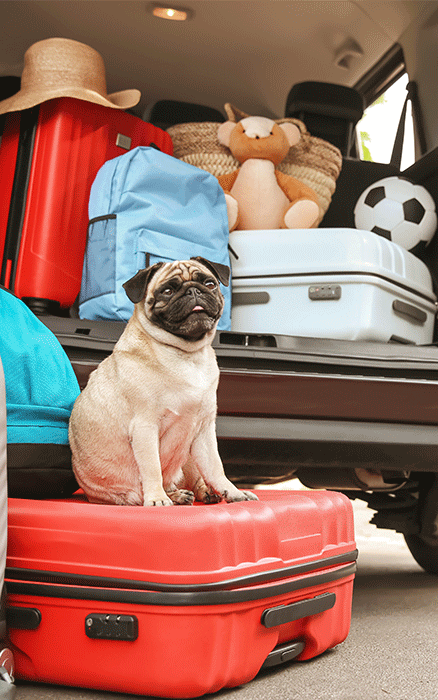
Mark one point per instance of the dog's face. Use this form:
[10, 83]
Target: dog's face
[182, 297]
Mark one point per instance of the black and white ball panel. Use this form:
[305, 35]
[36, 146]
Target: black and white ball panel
[398, 210]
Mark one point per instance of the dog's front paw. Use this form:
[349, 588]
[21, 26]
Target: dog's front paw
[250, 496]
[158, 501]
[234, 497]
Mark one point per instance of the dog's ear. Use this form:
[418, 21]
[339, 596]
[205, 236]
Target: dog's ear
[136, 287]
[222, 272]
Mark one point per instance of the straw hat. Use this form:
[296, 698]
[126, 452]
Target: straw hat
[65, 68]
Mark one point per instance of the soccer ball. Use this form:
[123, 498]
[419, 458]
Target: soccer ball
[398, 210]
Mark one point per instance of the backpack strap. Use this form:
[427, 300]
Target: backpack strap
[412, 95]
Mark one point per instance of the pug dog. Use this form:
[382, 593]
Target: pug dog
[143, 431]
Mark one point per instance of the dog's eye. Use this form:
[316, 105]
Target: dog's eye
[168, 292]
[210, 284]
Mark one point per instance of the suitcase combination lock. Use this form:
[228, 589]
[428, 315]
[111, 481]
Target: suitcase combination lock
[118, 627]
[324, 292]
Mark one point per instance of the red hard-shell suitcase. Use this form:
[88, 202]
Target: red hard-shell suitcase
[176, 602]
[49, 157]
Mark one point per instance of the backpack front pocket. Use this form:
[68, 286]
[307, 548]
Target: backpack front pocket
[99, 271]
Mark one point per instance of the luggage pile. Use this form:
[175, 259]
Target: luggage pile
[132, 205]
[277, 583]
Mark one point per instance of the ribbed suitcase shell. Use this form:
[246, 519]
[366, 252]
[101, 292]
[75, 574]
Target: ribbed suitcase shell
[214, 589]
[43, 231]
[330, 283]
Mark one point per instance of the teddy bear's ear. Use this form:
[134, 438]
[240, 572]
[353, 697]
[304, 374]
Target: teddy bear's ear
[224, 132]
[293, 134]
[233, 113]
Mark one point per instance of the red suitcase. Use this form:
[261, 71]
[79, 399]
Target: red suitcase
[180, 601]
[49, 157]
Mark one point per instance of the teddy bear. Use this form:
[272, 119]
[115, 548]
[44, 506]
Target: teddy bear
[258, 195]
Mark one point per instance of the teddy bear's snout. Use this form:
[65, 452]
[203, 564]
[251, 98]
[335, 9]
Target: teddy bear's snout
[257, 127]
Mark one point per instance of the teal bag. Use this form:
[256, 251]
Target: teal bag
[147, 207]
[41, 388]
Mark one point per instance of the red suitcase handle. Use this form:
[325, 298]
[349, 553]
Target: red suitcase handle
[272, 617]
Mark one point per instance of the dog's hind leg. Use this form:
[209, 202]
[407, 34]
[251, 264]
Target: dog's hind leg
[194, 481]
[177, 491]
[205, 454]
[180, 497]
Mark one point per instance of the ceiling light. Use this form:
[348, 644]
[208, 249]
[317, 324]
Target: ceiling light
[176, 13]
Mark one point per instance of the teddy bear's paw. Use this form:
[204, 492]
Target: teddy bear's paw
[232, 211]
[302, 214]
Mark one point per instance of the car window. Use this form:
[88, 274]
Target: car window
[377, 129]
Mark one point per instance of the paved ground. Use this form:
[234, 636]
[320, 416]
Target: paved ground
[390, 653]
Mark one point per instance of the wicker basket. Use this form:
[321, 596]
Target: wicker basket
[313, 161]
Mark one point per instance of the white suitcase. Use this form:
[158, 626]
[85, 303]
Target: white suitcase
[330, 283]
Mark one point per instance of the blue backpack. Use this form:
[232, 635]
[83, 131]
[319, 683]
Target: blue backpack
[147, 207]
[41, 388]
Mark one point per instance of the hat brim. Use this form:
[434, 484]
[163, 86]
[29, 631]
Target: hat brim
[27, 99]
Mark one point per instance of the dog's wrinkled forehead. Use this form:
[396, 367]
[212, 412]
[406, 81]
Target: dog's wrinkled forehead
[184, 269]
